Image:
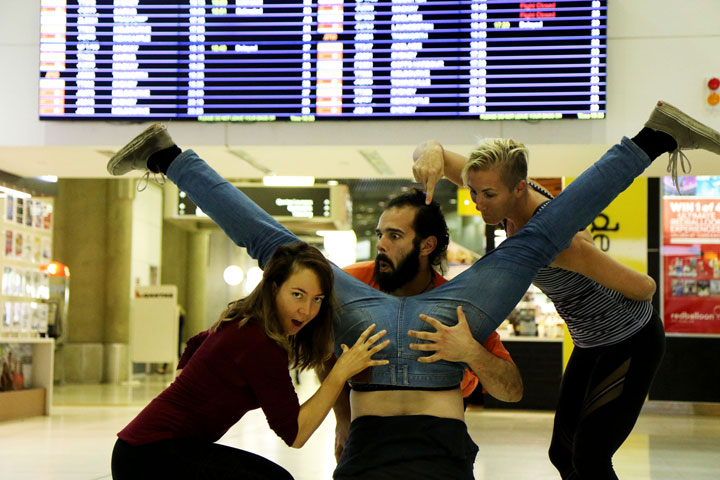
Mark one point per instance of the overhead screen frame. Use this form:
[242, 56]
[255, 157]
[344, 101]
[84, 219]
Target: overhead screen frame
[83, 78]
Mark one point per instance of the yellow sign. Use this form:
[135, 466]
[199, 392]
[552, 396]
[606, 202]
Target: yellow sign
[621, 229]
[465, 205]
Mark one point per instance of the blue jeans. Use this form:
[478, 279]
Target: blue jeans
[487, 291]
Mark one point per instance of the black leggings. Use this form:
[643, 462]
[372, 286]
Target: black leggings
[601, 395]
[191, 459]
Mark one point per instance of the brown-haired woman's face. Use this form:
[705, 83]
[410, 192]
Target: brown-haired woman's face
[298, 300]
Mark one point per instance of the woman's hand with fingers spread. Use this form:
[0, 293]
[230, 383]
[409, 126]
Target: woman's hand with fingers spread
[356, 359]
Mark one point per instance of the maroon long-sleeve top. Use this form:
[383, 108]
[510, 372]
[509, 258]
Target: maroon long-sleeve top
[225, 374]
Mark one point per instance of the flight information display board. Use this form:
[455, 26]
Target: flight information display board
[299, 202]
[308, 60]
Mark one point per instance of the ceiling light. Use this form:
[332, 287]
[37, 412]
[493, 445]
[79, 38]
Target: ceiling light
[288, 181]
[242, 154]
[377, 162]
[233, 275]
[48, 178]
[14, 193]
[252, 279]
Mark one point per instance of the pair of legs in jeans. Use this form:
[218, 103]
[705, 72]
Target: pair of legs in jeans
[488, 291]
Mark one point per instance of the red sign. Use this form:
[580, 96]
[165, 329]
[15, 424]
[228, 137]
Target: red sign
[691, 258]
[691, 220]
[692, 293]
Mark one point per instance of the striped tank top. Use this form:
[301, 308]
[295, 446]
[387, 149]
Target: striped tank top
[595, 315]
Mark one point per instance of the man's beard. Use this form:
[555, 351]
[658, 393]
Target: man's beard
[397, 277]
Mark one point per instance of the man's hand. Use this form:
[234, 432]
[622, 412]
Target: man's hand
[448, 343]
[429, 166]
[500, 377]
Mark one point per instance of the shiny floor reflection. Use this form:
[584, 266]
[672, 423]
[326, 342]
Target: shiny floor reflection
[76, 440]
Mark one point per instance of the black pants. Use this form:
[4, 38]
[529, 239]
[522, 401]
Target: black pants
[408, 447]
[601, 395]
[191, 459]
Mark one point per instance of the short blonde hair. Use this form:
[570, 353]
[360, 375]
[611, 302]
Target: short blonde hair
[510, 156]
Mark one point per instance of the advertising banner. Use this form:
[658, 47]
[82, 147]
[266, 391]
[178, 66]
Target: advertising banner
[691, 220]
[691, 264]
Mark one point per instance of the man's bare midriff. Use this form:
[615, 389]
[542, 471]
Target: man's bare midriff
[390, 403]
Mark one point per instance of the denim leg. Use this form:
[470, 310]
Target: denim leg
[498, 281]
[251, 227]
[240, 218]
[489, 289]
[244, 222]
[586, 197]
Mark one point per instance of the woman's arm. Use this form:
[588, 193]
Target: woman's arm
[190, 347]
[341, 408]
[352, 361]
[585, 258]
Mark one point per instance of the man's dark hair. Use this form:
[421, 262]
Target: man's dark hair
[429, 221]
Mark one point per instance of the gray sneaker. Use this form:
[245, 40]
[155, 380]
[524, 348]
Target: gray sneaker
[687, 132]
[134, 155]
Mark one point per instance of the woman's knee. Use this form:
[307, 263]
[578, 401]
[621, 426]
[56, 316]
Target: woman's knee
[593, 465]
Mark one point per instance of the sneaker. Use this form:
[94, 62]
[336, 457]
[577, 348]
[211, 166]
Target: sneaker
[687, 132]
[134, 155]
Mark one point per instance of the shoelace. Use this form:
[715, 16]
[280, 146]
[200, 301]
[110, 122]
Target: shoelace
[672, 166]
[158, 178]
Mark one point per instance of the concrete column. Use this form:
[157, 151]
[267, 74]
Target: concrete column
[80, 241]
[196, 320]
[174, 269]
[120, 195]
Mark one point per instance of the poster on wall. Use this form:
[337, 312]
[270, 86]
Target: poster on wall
[691, 220]
[691, 260]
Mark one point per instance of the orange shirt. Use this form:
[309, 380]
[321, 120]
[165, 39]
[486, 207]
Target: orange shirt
[364, 271]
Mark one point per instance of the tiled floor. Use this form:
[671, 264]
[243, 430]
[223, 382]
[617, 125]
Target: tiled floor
[75, 442]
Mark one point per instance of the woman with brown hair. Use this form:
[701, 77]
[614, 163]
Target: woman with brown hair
[240, 364]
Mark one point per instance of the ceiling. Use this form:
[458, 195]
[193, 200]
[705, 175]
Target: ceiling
[373, 174]
[330, 162]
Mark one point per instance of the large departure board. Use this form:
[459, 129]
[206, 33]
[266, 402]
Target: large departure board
[310, 60]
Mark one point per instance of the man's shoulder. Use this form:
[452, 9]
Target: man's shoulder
[361, 269]
[439, 280]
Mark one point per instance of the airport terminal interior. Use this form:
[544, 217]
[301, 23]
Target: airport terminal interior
[314, 109]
